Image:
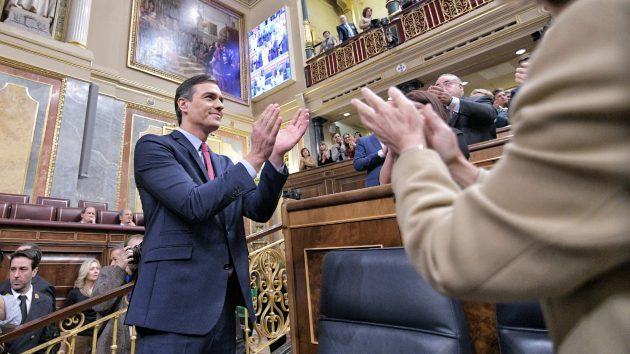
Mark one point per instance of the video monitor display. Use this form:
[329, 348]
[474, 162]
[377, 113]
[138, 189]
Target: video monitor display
[269, 59]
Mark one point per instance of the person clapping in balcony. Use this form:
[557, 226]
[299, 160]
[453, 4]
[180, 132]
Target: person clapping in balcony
[328, 43]
[366, 21]
[324, 155]
[306, 160]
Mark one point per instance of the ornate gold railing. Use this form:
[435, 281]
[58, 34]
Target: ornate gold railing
[268, 282]
[404, 26]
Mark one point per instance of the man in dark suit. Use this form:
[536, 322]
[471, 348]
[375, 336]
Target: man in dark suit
[369, 156]
[194, 266]
[39, 284]
[346, 30]
[33, 304]
[474, 117]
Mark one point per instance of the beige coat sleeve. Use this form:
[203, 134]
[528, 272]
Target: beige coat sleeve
[554, 213]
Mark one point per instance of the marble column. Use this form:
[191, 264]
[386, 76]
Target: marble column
[318, 127]
[79, 22]
[308, 37]
[392, 6]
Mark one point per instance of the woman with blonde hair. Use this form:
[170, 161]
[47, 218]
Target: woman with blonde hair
[88, 273]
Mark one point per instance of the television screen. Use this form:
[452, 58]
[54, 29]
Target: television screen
[269, 59]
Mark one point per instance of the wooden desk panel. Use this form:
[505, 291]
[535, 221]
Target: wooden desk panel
[358, 219]
[341, 176]
[316, 226]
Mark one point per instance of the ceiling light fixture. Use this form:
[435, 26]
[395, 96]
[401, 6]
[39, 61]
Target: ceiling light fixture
[521, 51]
[346, 114]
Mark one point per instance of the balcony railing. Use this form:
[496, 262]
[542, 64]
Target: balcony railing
[406, 25]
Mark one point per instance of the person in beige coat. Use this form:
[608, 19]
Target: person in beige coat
[551, 220]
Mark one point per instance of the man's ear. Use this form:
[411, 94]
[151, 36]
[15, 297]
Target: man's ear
[182, 103]
[35, 271]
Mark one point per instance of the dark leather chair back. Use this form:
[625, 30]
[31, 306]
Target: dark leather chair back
[373, 301]
[14, 198]
[107, 217]
[32, 212]
[5, 208]
[522, 329]
[95, 205]
[138, 219]
[56, 202]
[69, 214]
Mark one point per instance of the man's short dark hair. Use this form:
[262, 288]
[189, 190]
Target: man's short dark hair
[497, 91]
[30, 254]
[33, 247]
[323, 34]
[186, 90]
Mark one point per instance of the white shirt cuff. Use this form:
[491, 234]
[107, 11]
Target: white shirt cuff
[252, 171]
[454, 106]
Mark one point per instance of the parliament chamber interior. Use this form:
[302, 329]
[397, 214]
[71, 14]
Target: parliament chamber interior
[340, 266]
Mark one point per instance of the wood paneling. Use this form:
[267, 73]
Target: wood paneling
[313, 227]
[357, 219]
[342, 177]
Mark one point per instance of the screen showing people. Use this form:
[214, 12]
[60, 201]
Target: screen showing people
[269, 59]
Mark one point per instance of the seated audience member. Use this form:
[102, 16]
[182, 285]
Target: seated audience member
[474, 118]
[88, 215]
[39, 284]
[369, 156]
[421, 98]
[33, 304]
[550, 220]
[365, 23]
[306, 160]
[346, 30]
[338, 149]
[126, 218]
[357, 136]
[10, 315]
[119, 272]
[328, 43]
[323, 157]
[500, 104]
[350, 145]
[83, 285]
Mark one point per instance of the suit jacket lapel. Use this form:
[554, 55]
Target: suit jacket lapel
[181, 139]
[376, 144]
[217, 165]
[34, 311]
[452, 118]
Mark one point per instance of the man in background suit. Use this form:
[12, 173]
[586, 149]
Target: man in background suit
[39, 284]
[194, 266]
[346, 30]
[369, 156]
[33, 304]
[550, 220]
[475, 117]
